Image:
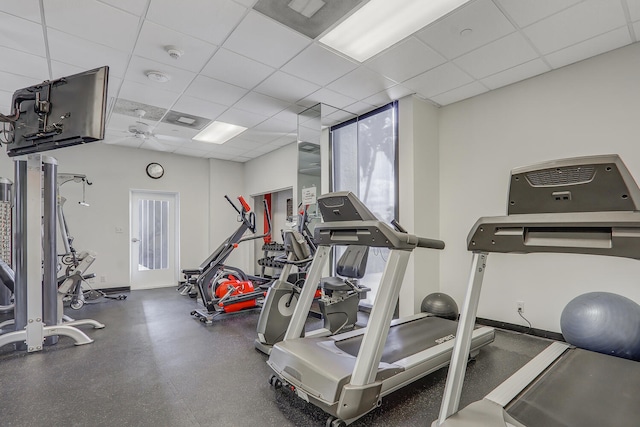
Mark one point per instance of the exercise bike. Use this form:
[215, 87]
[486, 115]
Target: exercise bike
[226, 289]
[338, 297]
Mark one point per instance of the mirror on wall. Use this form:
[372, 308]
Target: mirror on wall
[313, 152]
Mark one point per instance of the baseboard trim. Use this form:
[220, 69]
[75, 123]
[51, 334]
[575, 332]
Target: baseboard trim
[521, 329]
[115, 290]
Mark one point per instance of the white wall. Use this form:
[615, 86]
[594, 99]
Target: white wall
[418, 176]
[114, 171]
[587, 108]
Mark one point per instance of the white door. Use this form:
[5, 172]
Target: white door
[154, 237]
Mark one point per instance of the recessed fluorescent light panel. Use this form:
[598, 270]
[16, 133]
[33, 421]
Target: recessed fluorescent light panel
[219, 133]
[380, 24]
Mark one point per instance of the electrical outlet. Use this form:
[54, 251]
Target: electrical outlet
[520, 306]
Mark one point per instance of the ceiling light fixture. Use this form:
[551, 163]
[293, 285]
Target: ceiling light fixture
[219, 132]
[306, 8]
[158, 76]
[380, 24]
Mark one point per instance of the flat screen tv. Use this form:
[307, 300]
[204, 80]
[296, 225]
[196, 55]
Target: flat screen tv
[58, 113]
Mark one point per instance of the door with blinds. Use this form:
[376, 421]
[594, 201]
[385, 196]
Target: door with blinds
[153, 239]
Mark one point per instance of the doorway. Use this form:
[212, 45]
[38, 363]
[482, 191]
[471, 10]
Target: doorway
[154, 237]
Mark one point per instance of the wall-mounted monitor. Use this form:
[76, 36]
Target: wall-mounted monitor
[59, 113]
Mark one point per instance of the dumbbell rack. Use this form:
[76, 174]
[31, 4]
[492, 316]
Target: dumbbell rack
[5, 238]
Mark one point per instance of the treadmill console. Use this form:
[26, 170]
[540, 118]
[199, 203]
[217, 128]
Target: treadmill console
[582, 184]
[343, 206]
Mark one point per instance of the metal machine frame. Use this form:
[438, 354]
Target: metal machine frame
[314, 367]
[587, 205]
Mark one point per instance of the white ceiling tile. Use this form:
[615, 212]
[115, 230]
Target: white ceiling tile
[94, 21]
[286, 87]
[19, 62]
[142, 93]
[137, 7]
[191, 152]
[290, 115]
[361, 83]
[485, 20]
[516, 74]
[634, 9]
[84, 54]
[497, 56]
[243, 144]
[592, 47]
[215, 91]
[261, 104]
[390, 94]
[359, 108]
[458, 94]
[265, 40]
[198, 107]
[319, 65]
[528, 12]
[241, 118]
[276, 125]
[26, 9]
[11, 82]
[211, 21]
[139, 67]
[225, 149]
[154, 39]
[242, 159]
[284, 140]
[21, 34]
[328, 97]
[236, 69]
[405, 60]
[439, 80]
[573, 25]
[262, 149]
[261, 136]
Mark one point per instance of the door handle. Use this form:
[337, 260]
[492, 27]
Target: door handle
[135, 240]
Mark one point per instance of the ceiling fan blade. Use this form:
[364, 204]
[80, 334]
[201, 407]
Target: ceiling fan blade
[154, 144]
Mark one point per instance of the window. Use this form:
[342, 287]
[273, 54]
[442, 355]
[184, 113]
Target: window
[364, 161]
[154, 230]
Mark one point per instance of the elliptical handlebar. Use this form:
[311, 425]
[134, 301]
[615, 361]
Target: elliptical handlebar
[233, 204]
[252, 224]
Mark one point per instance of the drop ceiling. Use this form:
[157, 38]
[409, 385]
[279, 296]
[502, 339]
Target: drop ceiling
[239, 66]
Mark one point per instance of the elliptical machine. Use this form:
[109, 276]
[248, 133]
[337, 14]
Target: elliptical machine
[225, 289]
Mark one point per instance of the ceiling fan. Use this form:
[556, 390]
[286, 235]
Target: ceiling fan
[142, 131]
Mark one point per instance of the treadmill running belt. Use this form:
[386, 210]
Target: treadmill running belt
[406, 339]
[583, 389]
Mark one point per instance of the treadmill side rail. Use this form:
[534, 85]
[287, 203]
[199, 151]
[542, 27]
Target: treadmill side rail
[356, 400]
[512, 386]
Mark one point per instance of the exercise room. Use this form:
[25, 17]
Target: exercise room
[319, 213]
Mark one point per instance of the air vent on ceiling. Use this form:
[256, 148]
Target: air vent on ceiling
[185, 120]
[309, 17]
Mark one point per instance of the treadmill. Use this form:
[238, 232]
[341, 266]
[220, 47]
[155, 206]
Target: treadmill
[586, 205]
[347, 374]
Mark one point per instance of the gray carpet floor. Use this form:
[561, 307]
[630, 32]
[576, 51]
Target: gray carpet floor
[155, 365]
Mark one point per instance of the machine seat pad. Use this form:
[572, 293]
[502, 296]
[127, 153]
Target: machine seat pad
[191, 272]
[334, 284]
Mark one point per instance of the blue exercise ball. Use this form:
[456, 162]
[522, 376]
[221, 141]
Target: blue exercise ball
[603, 322]
[441, 305]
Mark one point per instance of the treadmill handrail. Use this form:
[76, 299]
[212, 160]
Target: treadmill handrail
[595, 233]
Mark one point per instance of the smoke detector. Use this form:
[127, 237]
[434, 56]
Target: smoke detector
[158, 76]
[173, 52]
